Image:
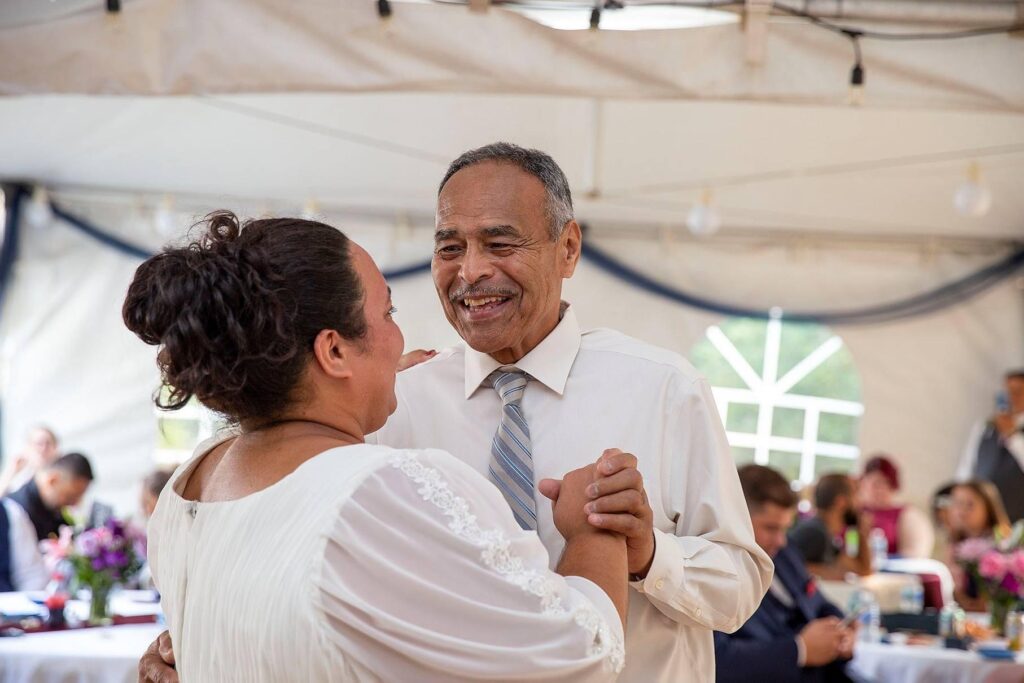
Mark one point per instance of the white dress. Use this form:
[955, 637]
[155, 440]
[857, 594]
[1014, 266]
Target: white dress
[371, 564]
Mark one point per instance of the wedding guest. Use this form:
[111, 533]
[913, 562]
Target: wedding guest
[995, 448]
[21, 565]
[152, 485]
[290, 550]
[906, 528]
[56, 487]
[796, 634]
[976, 512]
[821, 538]
[40, 451]
[942, 500]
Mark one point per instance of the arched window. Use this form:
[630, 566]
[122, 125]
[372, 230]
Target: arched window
[180, 431]
[788, 393]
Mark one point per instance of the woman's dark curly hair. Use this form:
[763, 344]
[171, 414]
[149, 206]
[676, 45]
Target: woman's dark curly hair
[236, 311]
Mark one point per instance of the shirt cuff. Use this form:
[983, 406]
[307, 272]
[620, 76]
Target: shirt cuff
[667, 568]
[801, 652]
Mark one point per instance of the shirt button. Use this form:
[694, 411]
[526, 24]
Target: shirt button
[659, 584]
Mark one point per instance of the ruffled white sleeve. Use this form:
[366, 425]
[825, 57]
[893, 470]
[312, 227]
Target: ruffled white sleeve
[427, 577]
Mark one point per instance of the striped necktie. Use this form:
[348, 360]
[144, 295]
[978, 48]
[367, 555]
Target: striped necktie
[511, 466]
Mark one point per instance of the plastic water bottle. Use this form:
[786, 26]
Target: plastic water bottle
[912, 599]
[879, 548]
[870, 618]
[951, 621]
[946, 620]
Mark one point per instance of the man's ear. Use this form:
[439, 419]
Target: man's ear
[333, 354]
[570, 246]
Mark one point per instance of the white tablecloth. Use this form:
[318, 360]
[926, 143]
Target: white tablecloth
[94, 655]
[910, 664]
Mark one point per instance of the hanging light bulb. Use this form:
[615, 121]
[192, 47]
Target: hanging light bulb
[704, 218]
[310, 210]
[163, 217]
[39, 213]
[973, 198]
[855, 95]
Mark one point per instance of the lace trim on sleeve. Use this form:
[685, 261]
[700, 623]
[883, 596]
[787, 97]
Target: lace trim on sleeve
[496, 554]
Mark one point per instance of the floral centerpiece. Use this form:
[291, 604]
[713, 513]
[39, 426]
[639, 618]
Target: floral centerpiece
[997, 567]
[100, 559]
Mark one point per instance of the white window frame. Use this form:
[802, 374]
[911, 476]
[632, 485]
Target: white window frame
[195, 412]
[768, 391]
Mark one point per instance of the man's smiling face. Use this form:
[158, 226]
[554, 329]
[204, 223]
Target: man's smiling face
[496, 269]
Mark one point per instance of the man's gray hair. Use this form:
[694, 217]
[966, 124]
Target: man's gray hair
[535, 162]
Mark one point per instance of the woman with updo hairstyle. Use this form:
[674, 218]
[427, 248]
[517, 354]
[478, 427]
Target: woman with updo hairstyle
[287, 548]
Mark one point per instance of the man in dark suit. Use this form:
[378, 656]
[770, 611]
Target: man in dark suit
[60, 485]
[796, 634]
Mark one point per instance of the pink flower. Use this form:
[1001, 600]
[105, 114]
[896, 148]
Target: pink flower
[972, 549]
[1017, 564]
[993, 565]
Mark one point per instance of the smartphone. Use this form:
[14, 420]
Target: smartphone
[853, 616]
[1002, 402]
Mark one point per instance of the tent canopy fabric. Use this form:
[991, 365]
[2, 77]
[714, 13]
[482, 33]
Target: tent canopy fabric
[266, 105]
[164, 47]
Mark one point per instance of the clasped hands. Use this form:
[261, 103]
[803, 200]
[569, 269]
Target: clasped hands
[609, 495]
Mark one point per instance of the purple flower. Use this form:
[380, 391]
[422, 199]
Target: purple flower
[98, 564]
[88, 543]
[972, 549]
[1011, 584]
[993, 565]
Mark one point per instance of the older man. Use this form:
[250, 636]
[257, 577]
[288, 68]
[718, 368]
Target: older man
[530, 397]
[505, 240]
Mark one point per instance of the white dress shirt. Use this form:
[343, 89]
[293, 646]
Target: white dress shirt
[1014, 444]
[28, 571]
[599, 390]
[367, 564]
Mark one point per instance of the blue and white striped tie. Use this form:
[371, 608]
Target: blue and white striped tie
[511, 467]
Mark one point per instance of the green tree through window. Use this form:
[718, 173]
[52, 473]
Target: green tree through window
[789, 394]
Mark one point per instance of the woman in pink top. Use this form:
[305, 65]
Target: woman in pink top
[907, 529]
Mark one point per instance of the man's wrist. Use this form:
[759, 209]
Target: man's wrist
[642, 573]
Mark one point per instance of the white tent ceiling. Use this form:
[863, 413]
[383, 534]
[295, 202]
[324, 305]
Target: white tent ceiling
[641, 121]
[267, 104]
[771, 166]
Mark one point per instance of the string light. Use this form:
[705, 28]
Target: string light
[310, 210]
[704, 218]
[163, 217]
[39, 213]
[973, 197]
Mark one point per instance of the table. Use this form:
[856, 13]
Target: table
[912, 664]
[90, 655]
[886, 588]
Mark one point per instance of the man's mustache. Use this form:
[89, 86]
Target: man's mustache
[479, 293]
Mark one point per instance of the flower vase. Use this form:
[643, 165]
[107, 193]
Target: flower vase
[99, 605]
[998, 609]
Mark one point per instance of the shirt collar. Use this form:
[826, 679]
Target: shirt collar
[549, 362]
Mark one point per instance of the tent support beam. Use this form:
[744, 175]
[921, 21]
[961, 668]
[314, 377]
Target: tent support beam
[755, 25]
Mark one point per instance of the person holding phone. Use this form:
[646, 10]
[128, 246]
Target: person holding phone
[796, 634]
[995, 449]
